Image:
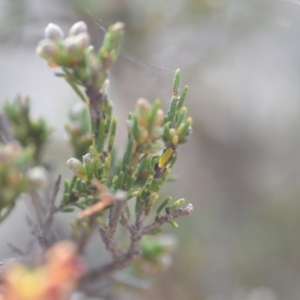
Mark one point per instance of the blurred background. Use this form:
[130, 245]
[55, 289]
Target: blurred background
[241, 168]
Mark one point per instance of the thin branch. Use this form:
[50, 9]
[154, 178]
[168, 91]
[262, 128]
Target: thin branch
[41, 232]
[119, 201]
[107, 269]
[141, 213]
[126, 221]
[36, 232]
[111, 244]
[169, 216]
[108, 234]
[52, 209]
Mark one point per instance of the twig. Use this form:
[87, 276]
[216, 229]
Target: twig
[107, 269]
[96, 99]
[114, 217]
[168, 217]
[41, 233]
[52, 209]
[126, 221]
[119, 202]
[111, 244]
[37, 233]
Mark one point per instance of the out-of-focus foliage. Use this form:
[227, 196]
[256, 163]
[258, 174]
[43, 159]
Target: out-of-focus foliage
[25, 130]
[16, 176]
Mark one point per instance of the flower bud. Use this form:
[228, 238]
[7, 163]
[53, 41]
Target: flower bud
[156, 146]
[118, 26]
[76, 45]
[37, 178]
[47, 49]
[87, 158]
[77, 28]
[156, 133]
[143, 135]
[159, 118]
[143, 107]
[77, 167]
[53, 32]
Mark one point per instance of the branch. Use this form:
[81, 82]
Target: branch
[108, 234]
[52, 209]
[107, 269]
[119, 201]
[169, 216]
[41, 233]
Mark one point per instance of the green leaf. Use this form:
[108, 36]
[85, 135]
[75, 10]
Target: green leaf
[174, 224]
[68, 209]
[112, 135]
[127, 154]
[172, 111]
[181, 116]
[176, 82]
[182, 97]
[101, 136]
[77, 90]
[163, 205]
[177, 204]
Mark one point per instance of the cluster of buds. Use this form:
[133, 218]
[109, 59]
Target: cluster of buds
[157, 252]
[92, 166]
[66, 52]
[145, 125]
[15, 177]
[80, 63]
[55, 279]
[91, 169]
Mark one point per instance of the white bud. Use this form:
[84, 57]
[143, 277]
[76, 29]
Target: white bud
[75, 165]
[87, 158]
[118, 26]
[76, 45]
[37, 178]
[46, 49]
[53, 32]
[77, 28]
[83, 40]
